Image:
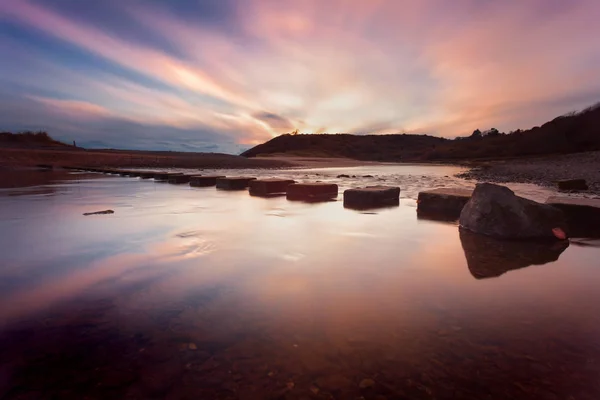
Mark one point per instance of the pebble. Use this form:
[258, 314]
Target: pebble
[192, 346]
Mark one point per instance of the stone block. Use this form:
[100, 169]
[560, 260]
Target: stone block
[205, 180]
[582, 214]
[372, 197]
[234, 183]
[572, 185]
[147, 175]
[312, 191]
[179, 179]
[164, 176]
[269, 187]
[442, 203]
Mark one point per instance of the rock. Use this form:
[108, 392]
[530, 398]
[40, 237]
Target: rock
[99, 212]
[496, 211]
[372, 197]
[269, 187]
[234, 183]
[367, 176]
[164, 176]
[179, 179]
[366, 383]
[343, 176]
[312, 191]
[147, 175]
[205, 180]
[192, 346]
[572, 185]
[442, 203]
[583, 215]
[488, 257]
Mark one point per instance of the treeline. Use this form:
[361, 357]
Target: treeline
[575, 132]
[29, 138]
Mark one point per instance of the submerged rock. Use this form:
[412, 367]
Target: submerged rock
[99, 212]
[488, 257]
[496, 211]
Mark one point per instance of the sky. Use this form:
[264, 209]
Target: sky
[223, 75]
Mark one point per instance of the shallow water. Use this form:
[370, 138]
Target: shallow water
[198, 293]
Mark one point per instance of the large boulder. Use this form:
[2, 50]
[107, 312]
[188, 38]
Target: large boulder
[496, 211]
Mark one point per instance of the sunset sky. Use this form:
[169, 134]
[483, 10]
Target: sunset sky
[221, 75]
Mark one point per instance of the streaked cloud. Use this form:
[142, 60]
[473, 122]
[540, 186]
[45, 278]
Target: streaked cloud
[239, 72]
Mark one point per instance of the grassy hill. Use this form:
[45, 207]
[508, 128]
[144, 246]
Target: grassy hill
[571, 133]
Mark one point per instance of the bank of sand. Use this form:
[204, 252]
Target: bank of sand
[11, 157]
[544, 171]
[21, 157]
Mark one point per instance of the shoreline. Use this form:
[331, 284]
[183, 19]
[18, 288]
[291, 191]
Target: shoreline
[542, 171]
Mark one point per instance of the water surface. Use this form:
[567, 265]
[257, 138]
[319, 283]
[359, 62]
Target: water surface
[188, 293]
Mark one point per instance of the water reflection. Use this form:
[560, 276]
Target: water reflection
[197, 293]
[488, 257]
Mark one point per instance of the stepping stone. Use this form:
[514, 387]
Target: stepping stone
[583, 215]
[269, 187]
[234, 183]
[572, 185]
[442, 203]
[179, 179]
[205, 180]
[372, 197]
[164, 176]
[147, 175]
[135, 173]
[124, 172]
[312, 191]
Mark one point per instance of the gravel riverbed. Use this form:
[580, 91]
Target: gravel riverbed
[542, 171]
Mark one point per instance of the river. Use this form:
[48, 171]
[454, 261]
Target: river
[200, 293]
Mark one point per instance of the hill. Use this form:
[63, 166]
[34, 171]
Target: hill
[571, 133]
[30, 140]
[359, 147]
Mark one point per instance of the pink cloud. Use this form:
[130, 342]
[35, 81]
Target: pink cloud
[336, 66]
[73, 108]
